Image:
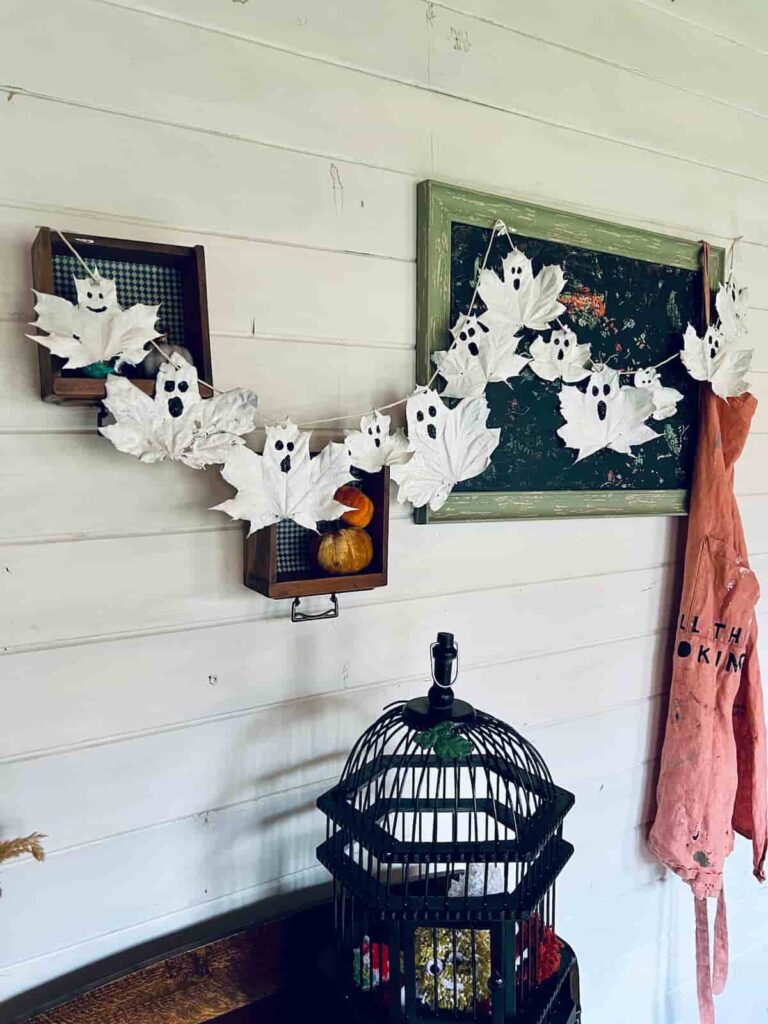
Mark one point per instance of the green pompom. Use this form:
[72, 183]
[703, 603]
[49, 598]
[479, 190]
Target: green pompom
[98, 370]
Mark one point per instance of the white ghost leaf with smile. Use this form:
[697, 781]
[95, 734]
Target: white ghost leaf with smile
[715, 359]
[284, 482]
[664, 399]
[605, 415]
[177, 423]
[479, 355]
[97, 329]
[521, 298]
[373, 446]
[448, 445]
[559, 357]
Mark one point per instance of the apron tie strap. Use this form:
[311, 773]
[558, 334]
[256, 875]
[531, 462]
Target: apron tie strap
[710, 980]
[720, 971]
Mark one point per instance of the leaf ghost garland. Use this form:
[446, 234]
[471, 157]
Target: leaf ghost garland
[478, 356]
[177, 423]
[715, 359]
[373, 446]
[448, 445]
[521, 299]
[97, 329]
[664, 399]
[284, 482]
[559, 357]
[605, 416]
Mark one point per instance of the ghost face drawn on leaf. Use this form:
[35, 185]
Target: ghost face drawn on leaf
[284, 482]
[559, 357]
[664, 399]
[731, 304]
[448, 445]
[286, 450]
[521, 299]
[479, 355]
[97, 295]
[177, 388]
[426, 415]
[177, 424]
[373, 446]
[715, 359]
[605, 415]
[97, 329]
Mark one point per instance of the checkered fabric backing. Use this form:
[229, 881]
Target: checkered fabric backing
[136, 282]
[292, 547]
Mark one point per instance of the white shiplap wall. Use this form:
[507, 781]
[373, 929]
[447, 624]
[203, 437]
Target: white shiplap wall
[169, 729]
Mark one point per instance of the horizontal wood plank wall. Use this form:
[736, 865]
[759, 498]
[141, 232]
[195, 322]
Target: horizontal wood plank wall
[170, 730]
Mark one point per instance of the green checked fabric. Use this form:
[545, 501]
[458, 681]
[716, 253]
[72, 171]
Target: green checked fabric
[293, 547]
[136, 282]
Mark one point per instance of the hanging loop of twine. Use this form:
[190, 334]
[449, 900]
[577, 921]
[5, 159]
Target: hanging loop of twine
[78, 257]
[705, 272]
[732, 254]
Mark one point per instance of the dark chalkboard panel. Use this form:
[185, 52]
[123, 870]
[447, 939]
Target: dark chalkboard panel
[629, 293]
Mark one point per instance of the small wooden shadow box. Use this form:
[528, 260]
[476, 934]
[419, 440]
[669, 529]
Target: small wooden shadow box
[147, 272]
[278, 562]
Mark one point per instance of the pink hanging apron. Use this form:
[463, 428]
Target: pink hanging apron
[713, 765]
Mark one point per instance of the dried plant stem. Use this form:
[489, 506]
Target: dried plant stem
[10, 848]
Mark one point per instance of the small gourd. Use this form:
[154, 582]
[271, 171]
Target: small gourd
[361, 511]
[343, 552]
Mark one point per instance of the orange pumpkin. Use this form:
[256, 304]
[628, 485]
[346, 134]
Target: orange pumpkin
[362, 506]
[343, 552]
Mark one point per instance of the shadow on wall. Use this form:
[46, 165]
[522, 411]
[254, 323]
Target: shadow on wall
[266, 826]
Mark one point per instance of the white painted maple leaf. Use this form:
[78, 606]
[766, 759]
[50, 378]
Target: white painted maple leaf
[605, 416]
[373, 446]
[97, 329]
[284, 482]
[559, 357]
[480, 354]
[731, 304]
[715, 358]
[448, 445]
[664, 399]
[177, 423]
[521, 299]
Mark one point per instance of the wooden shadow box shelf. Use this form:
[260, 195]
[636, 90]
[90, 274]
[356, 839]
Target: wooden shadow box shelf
[278, 563]
[172, 275]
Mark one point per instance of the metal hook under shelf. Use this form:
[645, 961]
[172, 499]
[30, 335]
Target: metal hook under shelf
[330, 613]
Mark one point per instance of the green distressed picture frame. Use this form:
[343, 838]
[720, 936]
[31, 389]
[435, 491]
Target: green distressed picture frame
[439, 208]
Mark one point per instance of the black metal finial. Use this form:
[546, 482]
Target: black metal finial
[445, 654]
[440, 704]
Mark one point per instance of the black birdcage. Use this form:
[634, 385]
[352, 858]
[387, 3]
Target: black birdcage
[444, 840]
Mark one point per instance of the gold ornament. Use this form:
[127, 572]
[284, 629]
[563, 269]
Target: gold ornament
[439, 955]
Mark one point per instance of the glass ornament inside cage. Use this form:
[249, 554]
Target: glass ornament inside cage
[444, 840]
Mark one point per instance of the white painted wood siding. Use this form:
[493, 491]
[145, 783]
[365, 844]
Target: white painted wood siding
[170, 730]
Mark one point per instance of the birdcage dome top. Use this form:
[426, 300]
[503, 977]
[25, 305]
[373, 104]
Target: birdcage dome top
[435, 782]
